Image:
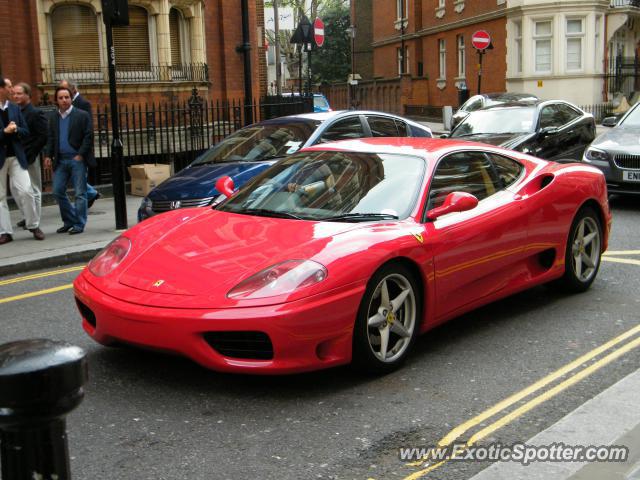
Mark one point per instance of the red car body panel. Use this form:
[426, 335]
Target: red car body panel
[463, 260]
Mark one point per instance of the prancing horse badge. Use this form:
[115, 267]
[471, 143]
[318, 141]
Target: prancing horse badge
[158, 283]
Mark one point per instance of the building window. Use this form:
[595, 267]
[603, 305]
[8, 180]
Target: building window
[542, 45]
[179, 38]
[441, 3]
[132, 42]
[598, 48]
[76, 43]
[575, 38]
[402, 9]
[442, 59]
[461, 56]
[403, 65]
[518, 45]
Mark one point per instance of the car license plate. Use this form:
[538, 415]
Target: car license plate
[631, 176]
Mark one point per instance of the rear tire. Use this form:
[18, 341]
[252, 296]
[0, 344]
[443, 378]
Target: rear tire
[388, 320]
[583, 253]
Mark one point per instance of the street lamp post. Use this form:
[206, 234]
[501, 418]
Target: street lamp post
[351, 30]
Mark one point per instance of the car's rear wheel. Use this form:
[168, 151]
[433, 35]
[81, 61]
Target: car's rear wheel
[584, 252]
[387, 322]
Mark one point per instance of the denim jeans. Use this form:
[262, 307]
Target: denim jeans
[73, 171]
[91, 192]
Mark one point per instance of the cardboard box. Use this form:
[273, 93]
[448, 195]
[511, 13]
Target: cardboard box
[147, 176]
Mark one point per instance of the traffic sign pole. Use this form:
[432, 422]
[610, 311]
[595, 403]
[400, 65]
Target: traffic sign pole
[481, 41]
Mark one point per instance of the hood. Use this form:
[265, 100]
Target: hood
[211, 253]
[507, 140]
[199, 181]
[624, 139]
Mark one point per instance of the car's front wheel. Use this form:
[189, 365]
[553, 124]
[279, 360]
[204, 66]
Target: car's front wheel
[387, 322]
[583, 253]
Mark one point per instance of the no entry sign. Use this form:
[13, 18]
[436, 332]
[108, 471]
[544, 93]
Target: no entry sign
[318, 31]
[481, 40]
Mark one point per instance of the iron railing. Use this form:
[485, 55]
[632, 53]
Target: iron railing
[176, 133]
[599, 110]
[623, 75]
[188, 72]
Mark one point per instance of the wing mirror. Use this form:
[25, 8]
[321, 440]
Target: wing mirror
[225, 186]
[455, 202]
[546, 131]
[609, 121]
[444, 135]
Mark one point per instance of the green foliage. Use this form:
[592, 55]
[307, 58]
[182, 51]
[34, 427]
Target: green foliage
[332, 62]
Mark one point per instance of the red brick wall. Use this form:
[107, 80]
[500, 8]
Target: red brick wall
[20, 55]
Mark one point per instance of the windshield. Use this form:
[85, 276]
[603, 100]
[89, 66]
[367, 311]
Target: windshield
[260, 142]
[503, 120]
[340, 186]
[321, 103]
[633, 119]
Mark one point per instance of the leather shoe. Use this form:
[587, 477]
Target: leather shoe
[5, 238]
[90, 202]
[37, 233]
[64, 229]
[22, 224]
[74, 231]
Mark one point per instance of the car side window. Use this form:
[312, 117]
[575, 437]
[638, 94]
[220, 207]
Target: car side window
[508, 170]
[403, 129]
[382, 127]
[345, 129]
[470, 172]
[550, 116]
[474, 105]
[568, 114]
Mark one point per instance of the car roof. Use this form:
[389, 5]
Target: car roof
[424, 147]
[322, 116]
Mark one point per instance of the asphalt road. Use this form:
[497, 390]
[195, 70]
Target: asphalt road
[152, 416]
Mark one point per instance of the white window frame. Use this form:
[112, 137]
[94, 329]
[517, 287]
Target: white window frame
[539, 39]
[574, 38]
[517, 36]
[441, 3]
[597, 51]
[461, 56]
[442, 59]
[399, 8]
[406, 60]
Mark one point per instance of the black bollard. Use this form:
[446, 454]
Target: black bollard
[40, 383]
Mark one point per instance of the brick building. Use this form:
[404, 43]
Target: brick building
[170, 47]
[436, 36]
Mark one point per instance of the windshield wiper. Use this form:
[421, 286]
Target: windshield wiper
[359, 217]
[263, 212]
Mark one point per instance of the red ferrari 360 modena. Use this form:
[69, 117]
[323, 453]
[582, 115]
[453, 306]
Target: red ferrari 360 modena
[344, 253]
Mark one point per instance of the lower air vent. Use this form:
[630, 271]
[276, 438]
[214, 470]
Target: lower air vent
[86, 313]
[251, 345]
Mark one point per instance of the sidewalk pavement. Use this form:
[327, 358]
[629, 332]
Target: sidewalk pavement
[610, 418]
[25, 253]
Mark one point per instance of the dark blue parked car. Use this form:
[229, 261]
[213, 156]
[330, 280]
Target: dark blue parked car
[250, 150]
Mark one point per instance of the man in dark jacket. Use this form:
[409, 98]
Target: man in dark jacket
[13, 164]
[78, 101]
[34, 142]
[70, 150]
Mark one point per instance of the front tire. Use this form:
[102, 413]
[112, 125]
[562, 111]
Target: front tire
[583, 253]
[387, 321]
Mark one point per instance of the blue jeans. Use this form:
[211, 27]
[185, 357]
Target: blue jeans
[73, 171]
[91, 192]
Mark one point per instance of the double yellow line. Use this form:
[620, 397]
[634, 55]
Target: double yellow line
[613, 257]
[576, 377]
[34, 277]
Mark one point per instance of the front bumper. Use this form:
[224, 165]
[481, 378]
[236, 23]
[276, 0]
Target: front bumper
[614, 176]
[310, 334]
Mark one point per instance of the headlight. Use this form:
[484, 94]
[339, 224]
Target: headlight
[596, 155]
[279, 279]
[110, 257]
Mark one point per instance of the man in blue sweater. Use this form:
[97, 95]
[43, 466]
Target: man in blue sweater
[69, 149]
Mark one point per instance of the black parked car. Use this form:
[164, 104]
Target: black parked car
[552, 129]
[485, 100]
[617, 152]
